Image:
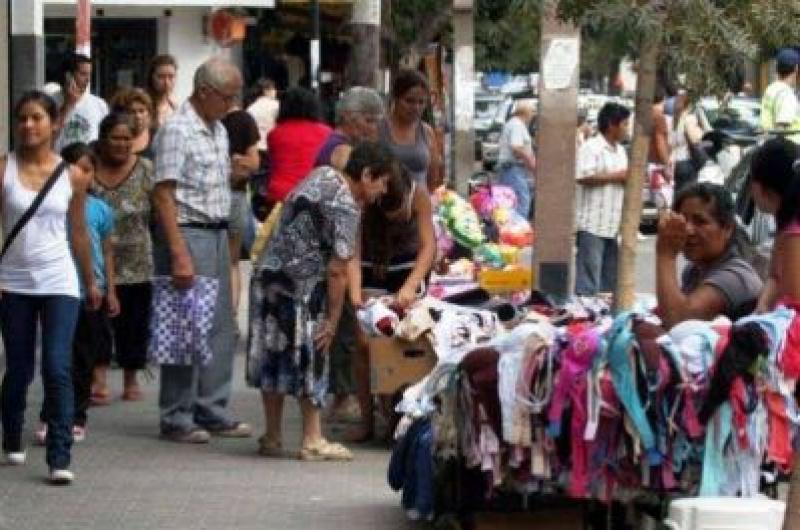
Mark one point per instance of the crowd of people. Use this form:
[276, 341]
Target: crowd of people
[124, 226]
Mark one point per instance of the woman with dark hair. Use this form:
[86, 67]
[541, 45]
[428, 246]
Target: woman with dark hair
[396, 254]
[298, 289]
[775, 185]
[125, 181]
[40, 285]
[718, 280]
[403, 131]
[160, 84]
[139, 105]
[294, 142]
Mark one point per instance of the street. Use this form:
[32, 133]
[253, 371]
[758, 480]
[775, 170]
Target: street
[128, 479]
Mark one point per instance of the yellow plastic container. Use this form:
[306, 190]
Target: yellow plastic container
[508, 280]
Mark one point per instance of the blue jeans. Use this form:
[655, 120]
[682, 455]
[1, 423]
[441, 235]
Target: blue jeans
[516, 177]
[19, 315]
[595, 264]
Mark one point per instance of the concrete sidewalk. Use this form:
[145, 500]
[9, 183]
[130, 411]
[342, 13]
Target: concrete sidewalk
[126, 478]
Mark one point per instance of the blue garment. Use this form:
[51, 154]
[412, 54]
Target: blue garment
[595, 264]
[99, 225]
[617, 351]
[411, 468]
[516, 177]
[19, 316]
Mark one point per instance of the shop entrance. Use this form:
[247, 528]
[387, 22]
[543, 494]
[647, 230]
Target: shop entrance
[121, 47]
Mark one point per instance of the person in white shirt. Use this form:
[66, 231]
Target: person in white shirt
[515, 158]
[264, 109]
[81, 111]
[779, 106]
[601, 173]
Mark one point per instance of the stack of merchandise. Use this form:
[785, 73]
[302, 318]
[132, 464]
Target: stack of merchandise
[572, 401]
[484, 233]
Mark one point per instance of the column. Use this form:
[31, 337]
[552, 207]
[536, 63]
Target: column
[365, 57]
[555, 174]
[463, 93]
[26, 70]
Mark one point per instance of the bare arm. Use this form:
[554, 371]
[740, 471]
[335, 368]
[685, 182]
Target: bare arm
[789, 285]
[427, 249]
[600, 179]
[337, 286]
[704, 303]
[79, 236]
[242, 166]
[354, 279]
[340, 156]
[111, 278]
[525, 156]
[167, 212]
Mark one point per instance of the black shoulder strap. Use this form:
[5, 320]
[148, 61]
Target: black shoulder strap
[33, 207]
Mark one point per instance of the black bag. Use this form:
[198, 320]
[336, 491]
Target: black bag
[37, 201]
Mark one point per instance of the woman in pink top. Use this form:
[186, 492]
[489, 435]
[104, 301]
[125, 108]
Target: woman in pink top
[294, 142]
[775, 171]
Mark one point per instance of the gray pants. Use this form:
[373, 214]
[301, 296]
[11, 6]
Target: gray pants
[193, 396]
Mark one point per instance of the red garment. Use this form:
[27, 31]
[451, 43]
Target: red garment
[293, 146]
[779, 443]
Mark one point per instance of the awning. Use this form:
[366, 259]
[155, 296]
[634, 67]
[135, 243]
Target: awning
[267, 4]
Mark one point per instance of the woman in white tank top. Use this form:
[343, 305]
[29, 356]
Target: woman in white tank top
[39, 281]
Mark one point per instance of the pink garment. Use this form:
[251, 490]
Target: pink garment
[779, 444]
[578, 358]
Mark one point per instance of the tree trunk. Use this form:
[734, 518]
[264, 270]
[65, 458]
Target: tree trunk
[637, 167]
[792, 519]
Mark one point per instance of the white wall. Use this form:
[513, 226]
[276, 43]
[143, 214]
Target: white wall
[5, 76]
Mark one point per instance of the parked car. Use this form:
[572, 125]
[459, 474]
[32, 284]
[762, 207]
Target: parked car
[486, 105]
[490, 146]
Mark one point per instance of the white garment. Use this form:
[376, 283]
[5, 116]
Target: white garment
[786, 108]
[599, 208]
[83, 122]
[264, 110]
[515, 134]
[39, 260]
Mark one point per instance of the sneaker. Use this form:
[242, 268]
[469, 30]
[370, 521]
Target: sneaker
[40, 435]
[194, 436]
[78, 433]
[61, 477]
[235, 430]
[15, 458]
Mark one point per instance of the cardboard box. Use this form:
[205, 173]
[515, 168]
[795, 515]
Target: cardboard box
[396, 363]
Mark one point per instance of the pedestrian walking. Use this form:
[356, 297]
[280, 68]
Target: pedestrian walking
[515, 159]
[160, 85]
[601, 174]
[43, 209]
[93, 331]
[124, 181]
[81, 111]
[294, 142]
[780, 109]
[297, 292]
[139, 105]
[403, 131]
[192, 200]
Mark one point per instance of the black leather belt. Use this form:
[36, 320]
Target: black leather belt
[221, 225]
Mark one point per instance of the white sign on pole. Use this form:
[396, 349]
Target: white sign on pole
[560, 63]
[367, 12]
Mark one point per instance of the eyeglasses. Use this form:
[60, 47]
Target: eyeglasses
[226, 98]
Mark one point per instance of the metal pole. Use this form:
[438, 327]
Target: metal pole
[314, 52]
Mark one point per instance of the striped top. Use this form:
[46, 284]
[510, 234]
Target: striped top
[599, 208]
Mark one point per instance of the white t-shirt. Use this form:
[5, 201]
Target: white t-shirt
[83, 122]
[515, 134]
[264, 110]
[599, 208]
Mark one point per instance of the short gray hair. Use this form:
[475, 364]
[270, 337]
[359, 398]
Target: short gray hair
[359, 99]
[216, 72]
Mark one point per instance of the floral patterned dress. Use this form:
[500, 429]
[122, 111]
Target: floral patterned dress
[319, 221]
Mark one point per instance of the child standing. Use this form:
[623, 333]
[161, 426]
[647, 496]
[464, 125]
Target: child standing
[93, 332]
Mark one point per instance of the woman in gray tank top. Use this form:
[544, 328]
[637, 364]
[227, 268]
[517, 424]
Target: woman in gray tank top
[404, 132]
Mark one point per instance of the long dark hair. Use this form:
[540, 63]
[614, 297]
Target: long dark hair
[299, 103]
[776, 167]
[378, 231]
[157, 62]
[40, 98]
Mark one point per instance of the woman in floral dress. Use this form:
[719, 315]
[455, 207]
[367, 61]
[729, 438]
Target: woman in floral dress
[297, 292]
